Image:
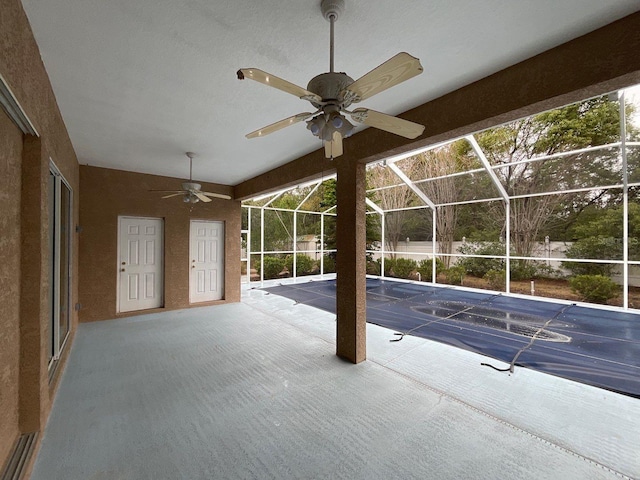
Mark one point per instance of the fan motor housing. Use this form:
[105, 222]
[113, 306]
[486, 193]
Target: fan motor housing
[191, 186]
[329, 85]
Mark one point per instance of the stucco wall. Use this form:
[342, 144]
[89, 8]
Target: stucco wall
[10, 162]
[106, 194]
[24, 208]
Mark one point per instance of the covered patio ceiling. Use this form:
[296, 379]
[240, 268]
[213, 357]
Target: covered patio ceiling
[140, 82]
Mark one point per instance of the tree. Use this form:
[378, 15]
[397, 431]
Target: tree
[329, 199]
[589, 123]
[398, 196]
[437, 165]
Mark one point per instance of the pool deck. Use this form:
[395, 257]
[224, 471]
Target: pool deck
[254, 390]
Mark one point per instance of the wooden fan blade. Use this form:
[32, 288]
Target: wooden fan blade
[217, 195]
[173, 195]
[274, 127]
[333, 148]
[385, 122]
[392, 72]
[279, 83]
[167, 191]
[201, 196]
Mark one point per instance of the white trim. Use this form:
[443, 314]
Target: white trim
[14, 110]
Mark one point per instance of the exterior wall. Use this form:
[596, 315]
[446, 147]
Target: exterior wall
[10, 163]
[106, 194]
[24, 240]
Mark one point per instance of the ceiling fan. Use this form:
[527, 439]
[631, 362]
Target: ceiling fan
[191, 192]
[332, 93]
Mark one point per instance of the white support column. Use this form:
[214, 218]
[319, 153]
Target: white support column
[295, 244]
[625, 203]
[249, 211]
[382, 246]
[261, 245]
[507, 246]
[434, 246]
[322, 245]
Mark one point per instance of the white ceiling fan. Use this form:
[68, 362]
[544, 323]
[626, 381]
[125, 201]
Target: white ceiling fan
[333, 92]
[191, 192]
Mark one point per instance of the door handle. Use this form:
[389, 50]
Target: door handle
[122, 269]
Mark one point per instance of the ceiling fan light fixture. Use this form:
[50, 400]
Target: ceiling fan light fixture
[316, 125]
[333, 92]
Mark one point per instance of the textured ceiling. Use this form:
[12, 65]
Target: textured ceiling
[139, 82]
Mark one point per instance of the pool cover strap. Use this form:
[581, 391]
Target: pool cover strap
[534, 337]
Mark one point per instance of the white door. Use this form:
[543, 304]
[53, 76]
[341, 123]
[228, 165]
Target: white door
[206, 281]
[140, 267]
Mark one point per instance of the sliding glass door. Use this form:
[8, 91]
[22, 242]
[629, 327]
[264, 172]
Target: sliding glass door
[60, 227]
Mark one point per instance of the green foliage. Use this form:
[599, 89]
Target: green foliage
[273, 265]
[531, 269]
[523, 270]
[329, 264]
[425, 268]
[594, 288]
[389, 266]
[478, 266]
[593, 248]
[454, 275]
[404, 267]
[373, 267]
[329, 199]
[497, 279]
[304, 264]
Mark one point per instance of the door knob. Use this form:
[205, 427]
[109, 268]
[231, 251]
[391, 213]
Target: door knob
[122, 269]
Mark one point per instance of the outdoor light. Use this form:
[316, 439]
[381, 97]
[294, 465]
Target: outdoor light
[316, 125]
[323, 128]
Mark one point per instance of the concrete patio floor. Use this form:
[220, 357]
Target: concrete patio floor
[254, 390]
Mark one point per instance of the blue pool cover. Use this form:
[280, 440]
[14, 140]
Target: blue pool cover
[589, 345]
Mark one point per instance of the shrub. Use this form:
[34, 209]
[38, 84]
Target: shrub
[403, 267]
[329, 264]
[454, 275]
[389, 266]
[497, 279]
[373, 267]
[304, 264]
[593, 248]
[273, 266]
[478, 267]
[594, 288]
[425, 268]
